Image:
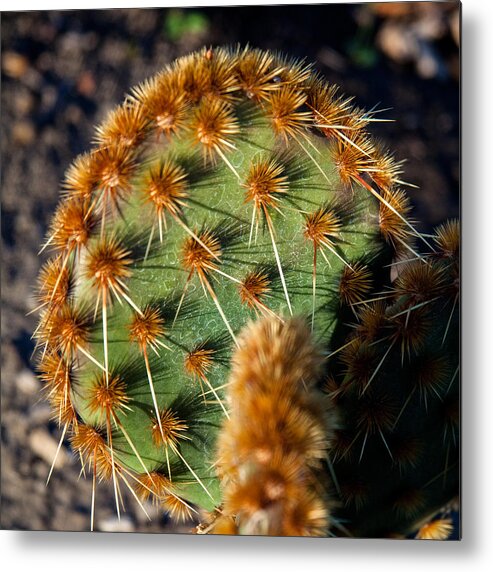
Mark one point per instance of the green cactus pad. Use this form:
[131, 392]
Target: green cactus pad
[234, 184]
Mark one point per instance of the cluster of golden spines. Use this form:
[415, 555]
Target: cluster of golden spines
[393, 215]
[62, 332]
[127, 125]
[147, 327]
[163, 103]
[107, 397]
[178, 508]
[114, 167]
[72, 225]
[91, 445]
[214, 125]
[102, 176]
[63, 411]
[257, 72]
[266, 182]
[56, 373]
[354, 160]
[55, 283]
[387, 171]
[165, 186]
[447, 239]
[294, 71]
[322, 226]
[254, 289]
[199, 361]
[158, 488]
[332, 111]
[270, 448]
[107, 264]
[207, 75]
[81, 179]
[285, 110]
[201, 253]
[273, 364]
[169, 429]
[66, 330]
[154, 486]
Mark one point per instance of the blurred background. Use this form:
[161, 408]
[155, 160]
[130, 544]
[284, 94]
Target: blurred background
[62, 71]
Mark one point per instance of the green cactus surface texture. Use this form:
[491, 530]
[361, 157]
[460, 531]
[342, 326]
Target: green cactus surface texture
[234, 209]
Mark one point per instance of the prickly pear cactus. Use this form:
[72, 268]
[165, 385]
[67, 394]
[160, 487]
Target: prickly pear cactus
[234, 185]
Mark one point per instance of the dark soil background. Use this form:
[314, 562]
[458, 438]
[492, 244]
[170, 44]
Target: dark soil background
[63, 70]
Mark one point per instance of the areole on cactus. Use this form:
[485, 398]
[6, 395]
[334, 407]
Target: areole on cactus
[235, 186]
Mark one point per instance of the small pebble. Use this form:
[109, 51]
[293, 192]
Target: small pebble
[23, 132]
[40, 414]
[45, 447]
[27, 382]
[14, 65]
[115, 525]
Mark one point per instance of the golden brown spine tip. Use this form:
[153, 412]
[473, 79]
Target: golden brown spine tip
[108, 264]
[393, 229]
[81, 179]
[153, 486]
[285, 108]
[447, 239]
[201, 252]
[170, 430]
[93, 450]
[199, 361]
[67, 330]
[55, 283]
[126, 125]
[164, 102]
[165, 187]
[146, 328]
[257, 73]
[253, 290]
[177, 508]
[72, 225]
[213, 125]
[107, 397]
